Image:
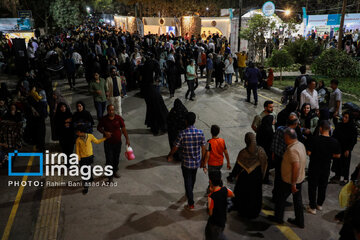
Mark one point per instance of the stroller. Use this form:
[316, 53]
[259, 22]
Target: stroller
[288, 94]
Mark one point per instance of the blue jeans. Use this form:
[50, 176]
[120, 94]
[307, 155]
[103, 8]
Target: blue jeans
[236, 74]
[252, 87]
[123, 88]
[112, 154]
[191, 89]
[189, 175]
[100, 109]
[228, 78]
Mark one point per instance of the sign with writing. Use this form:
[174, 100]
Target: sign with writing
[268, 9]
[317, 20]
[334, 19]
[24, 14]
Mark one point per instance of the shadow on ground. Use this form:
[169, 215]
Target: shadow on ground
[151, 163]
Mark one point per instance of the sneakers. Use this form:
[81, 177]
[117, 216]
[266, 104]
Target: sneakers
[189, 207]
[85, 191]
[311, 211]
[319, 208]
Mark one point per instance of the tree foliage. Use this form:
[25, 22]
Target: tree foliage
[281, 59]
[301, 50]
[66, 13]
[178, 8]
[335, 63]
[258, 25]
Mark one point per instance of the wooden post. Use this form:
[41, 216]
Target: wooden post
[341, 30]
[240, 14]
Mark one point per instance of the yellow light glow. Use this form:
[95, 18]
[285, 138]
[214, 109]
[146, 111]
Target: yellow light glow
[287, 12]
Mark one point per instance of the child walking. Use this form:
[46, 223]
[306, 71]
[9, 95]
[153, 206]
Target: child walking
[216, 148]
[84, 150]
[217, 207]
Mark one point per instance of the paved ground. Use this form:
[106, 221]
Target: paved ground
[148, 201]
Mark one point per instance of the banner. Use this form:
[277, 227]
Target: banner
[15, 24]
[334, 19]
[26, 35]
[317, 20]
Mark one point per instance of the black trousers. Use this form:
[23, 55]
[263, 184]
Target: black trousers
[277, 179]
[283, 193]
[71, 77]
[213, 232]
[191, 89]
[112, 155]
[87, 161]
[341, 166]
[317, 181]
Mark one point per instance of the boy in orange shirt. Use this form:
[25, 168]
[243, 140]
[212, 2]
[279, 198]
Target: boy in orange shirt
[216, 148]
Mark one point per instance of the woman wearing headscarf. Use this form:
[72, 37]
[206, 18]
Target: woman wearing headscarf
[346, 133]
[264, 137]
[252, 166]
[64, 128]
[156, 110]
[83, 118]
[53, 104]
[176, 123]
[308, 121]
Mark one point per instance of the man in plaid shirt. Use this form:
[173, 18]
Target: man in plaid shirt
[192, 140]
[278, 148]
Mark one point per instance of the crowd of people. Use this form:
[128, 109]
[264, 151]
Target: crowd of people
[302, 132]
[115, 62]
[350, 40]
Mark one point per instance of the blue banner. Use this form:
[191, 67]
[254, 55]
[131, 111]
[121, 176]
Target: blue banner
[334, 19]
[305, 15]
[15, 24]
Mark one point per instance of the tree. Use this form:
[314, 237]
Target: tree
[40, 10]
[258, 26]
[281, 59]
[336, 63]
[301, 50]
[66, 13]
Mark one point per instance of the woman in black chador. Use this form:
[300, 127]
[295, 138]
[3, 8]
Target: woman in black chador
[176, 123]
[156, 111]
[251, 167]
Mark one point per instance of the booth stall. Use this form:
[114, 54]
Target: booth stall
[330, 23]
[156, 25]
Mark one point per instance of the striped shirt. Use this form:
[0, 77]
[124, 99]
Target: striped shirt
[191, 139]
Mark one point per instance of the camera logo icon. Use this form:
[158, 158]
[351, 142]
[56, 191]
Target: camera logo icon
[31, 154]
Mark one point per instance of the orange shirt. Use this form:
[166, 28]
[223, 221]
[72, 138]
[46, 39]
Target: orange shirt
[216, 148]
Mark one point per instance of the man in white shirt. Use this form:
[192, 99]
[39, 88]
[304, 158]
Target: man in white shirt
[310, 95]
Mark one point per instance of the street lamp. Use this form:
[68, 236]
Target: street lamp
[207, 8]
[287, 12]
[88, 9]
